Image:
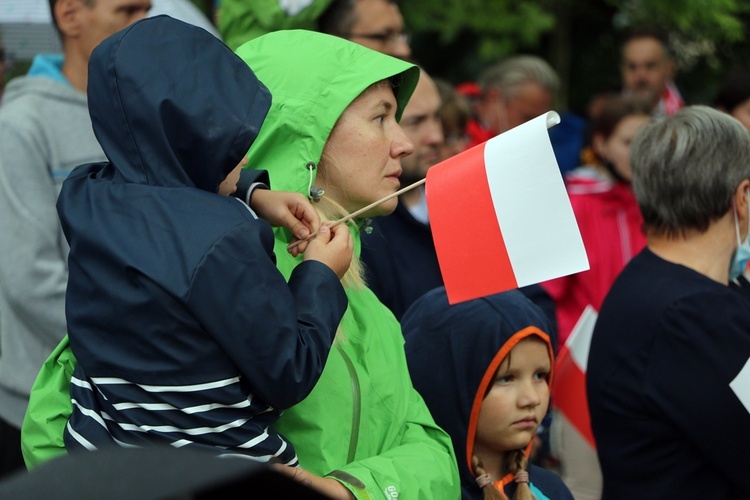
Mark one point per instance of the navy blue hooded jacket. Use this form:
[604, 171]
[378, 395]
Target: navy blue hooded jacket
[185, 331]
[453, 353]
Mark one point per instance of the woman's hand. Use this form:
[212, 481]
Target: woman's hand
[289, 210]
[327, 486]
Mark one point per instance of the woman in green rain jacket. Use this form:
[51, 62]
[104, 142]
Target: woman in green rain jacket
[363, 425]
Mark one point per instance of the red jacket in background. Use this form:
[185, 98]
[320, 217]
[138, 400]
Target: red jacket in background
[477, 133]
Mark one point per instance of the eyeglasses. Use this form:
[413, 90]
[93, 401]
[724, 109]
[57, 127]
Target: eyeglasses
[390, 38]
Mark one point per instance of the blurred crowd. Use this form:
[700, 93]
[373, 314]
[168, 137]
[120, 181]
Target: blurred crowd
[659, 188]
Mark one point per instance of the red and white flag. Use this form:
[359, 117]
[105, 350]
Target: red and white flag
[569, 386]
[500, 215]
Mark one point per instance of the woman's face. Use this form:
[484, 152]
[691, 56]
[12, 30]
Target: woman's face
[362, 157]
[616, 148]
[516, 402]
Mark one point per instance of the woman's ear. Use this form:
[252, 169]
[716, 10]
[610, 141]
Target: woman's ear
[742, 198]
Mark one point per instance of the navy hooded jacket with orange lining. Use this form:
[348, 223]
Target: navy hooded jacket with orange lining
[453, 352]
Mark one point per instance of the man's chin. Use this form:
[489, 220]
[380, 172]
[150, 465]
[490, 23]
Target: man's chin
[646, 95]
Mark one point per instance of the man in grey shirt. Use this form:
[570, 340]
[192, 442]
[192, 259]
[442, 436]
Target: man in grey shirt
[45, 132]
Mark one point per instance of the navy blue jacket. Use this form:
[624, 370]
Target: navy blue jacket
[667, 344]
[451, 348]
[185, 331]
[400, 260]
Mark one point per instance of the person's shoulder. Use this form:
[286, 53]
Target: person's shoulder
[587, 180]
[40, 87]
[549, 483]
[723, 304]
[235, 215]
[222, 219]
[383, 327]
[38, 98]
[670, 284]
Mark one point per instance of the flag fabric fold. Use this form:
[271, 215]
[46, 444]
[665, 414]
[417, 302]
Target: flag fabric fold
[569, 387]
[500, 215]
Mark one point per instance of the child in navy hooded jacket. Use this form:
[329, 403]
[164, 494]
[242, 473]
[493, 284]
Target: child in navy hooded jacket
[185, 332]
[461, 357]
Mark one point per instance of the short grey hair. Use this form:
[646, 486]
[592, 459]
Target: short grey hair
[686, 168]
[508, 75]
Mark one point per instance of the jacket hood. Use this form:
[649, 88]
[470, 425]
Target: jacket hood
[190, 129]
[313, 77]
[454, 351]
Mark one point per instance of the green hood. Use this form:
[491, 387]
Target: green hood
[243, 20]
[312, 77]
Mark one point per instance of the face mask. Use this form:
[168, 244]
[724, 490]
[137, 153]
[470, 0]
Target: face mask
[742, 255]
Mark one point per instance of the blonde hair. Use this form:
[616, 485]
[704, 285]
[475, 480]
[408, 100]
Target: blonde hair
[330, 210]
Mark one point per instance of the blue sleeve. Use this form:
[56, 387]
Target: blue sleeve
[277, 334]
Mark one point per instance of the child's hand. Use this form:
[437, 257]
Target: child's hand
[333, 247]
[286, 209]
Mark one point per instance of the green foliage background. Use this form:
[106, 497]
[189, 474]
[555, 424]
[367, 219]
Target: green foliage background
[455, 39]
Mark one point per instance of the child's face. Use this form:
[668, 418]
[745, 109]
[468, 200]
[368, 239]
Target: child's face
[229, 185]
[517, 400]
[616, 148]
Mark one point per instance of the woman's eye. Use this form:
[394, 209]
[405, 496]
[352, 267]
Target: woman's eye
[380, 118]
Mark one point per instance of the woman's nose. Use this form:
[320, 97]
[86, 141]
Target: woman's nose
[401, 145]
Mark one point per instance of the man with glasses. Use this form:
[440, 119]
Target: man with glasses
[376, 24]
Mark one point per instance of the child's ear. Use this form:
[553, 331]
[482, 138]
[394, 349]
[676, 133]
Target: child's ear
[68, 14]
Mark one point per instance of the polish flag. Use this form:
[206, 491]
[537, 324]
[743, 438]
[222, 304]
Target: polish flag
[500, 215]
[569, 386]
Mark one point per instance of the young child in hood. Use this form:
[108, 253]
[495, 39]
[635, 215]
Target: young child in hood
[484, 368]
[184, 331]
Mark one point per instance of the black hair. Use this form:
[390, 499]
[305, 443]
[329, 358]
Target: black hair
[734, 90]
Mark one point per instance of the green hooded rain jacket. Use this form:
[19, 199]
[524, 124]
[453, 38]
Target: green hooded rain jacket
[363, 423]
